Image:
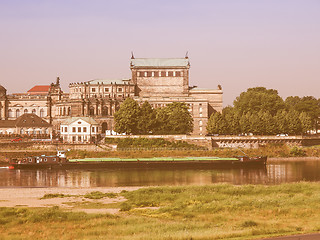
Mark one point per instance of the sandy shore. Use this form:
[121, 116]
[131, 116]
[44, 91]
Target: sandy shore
[31, 197]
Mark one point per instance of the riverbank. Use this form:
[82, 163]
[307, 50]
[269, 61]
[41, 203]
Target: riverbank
[274, 153]
[189, 212]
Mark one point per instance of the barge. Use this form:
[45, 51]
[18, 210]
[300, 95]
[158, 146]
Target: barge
[60, 161]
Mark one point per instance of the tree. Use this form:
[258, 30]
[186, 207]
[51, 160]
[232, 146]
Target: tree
[307, 104]
[127, 117]
[244, 122]
[259, 98]
[282, 122]
[293, 121]
[306, 122]
[147, 119]
[217, 124]
[232, 120]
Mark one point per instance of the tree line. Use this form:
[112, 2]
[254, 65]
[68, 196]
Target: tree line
[262, 111]
[131, 118]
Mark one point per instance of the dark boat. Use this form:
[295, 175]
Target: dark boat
[60, 161]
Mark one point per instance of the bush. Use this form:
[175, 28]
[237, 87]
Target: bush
[297, 152]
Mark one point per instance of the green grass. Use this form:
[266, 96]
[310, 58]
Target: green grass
[218, 211]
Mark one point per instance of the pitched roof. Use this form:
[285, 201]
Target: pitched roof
[73, 119]
[40, 89]
[31, 120]
[160, 62]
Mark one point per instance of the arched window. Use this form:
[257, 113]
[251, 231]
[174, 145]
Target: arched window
[17, 113]
[69, 111]
[34, 111]
[25, 111]
[64, 111]
[10, 112]
[41, 112]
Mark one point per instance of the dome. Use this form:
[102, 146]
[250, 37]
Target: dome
[3, 91]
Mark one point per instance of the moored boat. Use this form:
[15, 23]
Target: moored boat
[60, 161]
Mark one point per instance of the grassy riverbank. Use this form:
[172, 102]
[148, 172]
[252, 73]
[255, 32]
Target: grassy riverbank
[218, 211]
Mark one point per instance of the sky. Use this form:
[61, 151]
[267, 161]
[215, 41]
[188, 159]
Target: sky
[238, 44]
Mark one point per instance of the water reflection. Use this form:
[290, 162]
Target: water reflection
[274, 173]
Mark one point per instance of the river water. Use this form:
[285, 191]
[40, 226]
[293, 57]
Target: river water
[273, 173]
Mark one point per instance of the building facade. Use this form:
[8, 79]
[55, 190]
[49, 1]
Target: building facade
[79, 130]
[159, 81]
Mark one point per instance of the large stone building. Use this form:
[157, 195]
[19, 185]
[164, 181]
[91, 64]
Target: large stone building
[158, 81]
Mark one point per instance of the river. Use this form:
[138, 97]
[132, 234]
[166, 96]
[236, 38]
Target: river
[274, 173]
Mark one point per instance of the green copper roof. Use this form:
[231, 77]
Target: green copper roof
[159, 62]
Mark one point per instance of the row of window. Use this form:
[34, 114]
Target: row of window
[17, 113]
[106, 89]
[79, 129]
[160, 74]
[34, 131]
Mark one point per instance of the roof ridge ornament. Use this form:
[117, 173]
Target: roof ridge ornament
[132, 56]
[186, 57]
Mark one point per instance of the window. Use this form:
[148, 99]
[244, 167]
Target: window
[45, 160]
[92, 129]
[178, 74]
[163, 74]
[119, 89]
[66, 129]
[93, 89]
[17, 113]
[84, 129]
[106, 89]
[156, 74]
[10, 112]
[149, 74]
[73, 138]
[34, 111]
[73, 129]
[79, 138]
[25, 111]
[41, 113]
[79, 129]
[170, 74]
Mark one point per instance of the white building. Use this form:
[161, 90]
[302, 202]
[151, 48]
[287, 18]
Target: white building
[79, 130]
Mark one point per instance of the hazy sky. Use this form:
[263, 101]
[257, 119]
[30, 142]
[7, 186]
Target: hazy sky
[235, 43]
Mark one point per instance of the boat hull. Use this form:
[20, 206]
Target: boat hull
[191, 164]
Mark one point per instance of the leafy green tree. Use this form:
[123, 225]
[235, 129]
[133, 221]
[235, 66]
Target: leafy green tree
[306, 122]
[281, 122]
[294, 124]
[147, 119]
[270, 124]
[308, 104]
[217, 124]
[244, 122]
[259, 98]
[232, 119]
[175, 118]
[127, 117]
